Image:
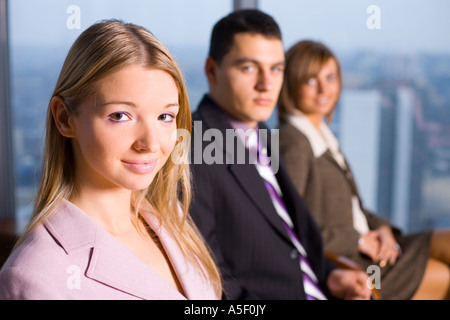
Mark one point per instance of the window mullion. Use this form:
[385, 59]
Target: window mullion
[7, 199]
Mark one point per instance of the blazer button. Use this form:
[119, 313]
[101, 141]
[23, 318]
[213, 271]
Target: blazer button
[293, 254]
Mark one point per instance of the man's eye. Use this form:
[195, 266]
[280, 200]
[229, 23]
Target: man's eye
[248, 68]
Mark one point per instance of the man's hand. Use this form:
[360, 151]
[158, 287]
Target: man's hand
[349, 284]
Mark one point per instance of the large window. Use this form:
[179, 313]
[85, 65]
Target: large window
[41, 33]
[393, 118]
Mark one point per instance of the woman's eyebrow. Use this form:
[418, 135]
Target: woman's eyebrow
[128, 103]
[132, 104]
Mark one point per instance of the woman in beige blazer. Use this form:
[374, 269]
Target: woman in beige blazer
[413, 266]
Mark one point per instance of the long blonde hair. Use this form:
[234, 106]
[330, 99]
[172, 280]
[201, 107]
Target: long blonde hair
[100, 50]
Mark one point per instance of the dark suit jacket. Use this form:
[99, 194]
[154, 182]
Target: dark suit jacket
[233, 210]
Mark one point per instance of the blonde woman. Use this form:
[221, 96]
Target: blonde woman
[413, 266]
[111, 214]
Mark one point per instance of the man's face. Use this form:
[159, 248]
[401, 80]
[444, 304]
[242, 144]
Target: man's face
[248, 80]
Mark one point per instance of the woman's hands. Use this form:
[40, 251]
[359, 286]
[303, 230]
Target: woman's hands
[380, 246]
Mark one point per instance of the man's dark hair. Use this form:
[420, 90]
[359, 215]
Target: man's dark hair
[247, 20]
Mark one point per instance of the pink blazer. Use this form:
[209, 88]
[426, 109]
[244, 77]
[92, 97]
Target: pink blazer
[71, 257]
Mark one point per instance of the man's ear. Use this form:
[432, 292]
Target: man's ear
[210, 70]
[61, 117]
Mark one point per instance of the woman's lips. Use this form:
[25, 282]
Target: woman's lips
[140, 166]
[323, 101]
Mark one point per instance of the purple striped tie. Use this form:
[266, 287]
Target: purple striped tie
[312, 290]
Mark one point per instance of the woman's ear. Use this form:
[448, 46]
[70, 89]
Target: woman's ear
[61, 117]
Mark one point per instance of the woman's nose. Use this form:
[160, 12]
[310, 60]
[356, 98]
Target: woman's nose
[147, 139]
[320, 86]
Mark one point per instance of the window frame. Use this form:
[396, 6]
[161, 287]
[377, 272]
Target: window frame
[7, 189]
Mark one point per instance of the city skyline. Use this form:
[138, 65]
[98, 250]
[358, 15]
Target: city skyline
[33, 81]
[406, 47]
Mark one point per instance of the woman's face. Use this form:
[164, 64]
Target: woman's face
[319, 94]
[125, 131]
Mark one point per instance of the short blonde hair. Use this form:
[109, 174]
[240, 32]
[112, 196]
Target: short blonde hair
[303, 61]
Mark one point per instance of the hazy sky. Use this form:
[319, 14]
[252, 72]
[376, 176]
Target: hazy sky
[178, 22]
[406, 25]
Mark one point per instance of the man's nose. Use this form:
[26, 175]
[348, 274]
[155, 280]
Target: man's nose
[264, 81]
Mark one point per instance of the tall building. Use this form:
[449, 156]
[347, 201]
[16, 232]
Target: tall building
[359, 135]
[402, 192]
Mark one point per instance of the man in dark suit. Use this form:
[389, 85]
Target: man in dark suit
[231, 205]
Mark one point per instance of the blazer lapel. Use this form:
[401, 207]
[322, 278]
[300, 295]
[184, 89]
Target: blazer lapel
[346, 172]
[110, 262]
[116, 266]
[194, 286]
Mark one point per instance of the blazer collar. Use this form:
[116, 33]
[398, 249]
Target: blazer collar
[112, 264]
[322, 142]
[302, 124]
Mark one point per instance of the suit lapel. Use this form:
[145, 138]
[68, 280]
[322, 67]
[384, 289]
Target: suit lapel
[251, 184]
[246, 174]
